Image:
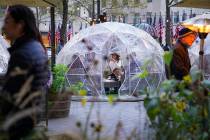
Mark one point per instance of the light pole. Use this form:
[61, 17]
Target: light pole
[168, 24]
[98, 11]
[93, 10]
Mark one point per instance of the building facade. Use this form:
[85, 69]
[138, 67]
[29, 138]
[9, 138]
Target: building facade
[149, 11]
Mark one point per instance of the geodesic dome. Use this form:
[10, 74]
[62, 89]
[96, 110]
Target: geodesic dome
[4, 55]
[87, 53]
[194, 56]
[148, 28]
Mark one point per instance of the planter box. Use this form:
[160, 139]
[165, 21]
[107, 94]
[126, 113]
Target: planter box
[59, 106]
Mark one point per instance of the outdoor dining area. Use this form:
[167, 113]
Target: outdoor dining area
[89, 57]
[111, 81]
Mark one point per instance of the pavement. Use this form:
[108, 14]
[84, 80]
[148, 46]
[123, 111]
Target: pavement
[131, 115]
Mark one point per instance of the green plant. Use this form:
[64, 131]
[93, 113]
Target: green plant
[77, 89]
[180, 110]
[58, 82]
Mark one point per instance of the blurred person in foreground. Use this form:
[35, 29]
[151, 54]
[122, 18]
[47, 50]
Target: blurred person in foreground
[27, 69]
[180, 64]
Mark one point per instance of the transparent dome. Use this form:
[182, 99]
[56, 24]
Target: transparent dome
[148, 28]
[89, 55]
[194, 55]
[4, 55]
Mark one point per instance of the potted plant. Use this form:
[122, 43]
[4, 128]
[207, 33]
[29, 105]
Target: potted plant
[59, 98]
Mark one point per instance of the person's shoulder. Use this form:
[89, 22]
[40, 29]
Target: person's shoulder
[33, 49]
[178, 46]
[33, 44]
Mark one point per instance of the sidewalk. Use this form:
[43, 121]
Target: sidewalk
[131, 114]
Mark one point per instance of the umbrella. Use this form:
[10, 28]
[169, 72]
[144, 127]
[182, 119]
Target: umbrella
[135, 47]
[200, 24]
[148, 28]
[34, 3]
[38, 3]
[193, 4]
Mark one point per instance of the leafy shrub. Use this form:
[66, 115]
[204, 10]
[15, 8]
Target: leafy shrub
[180, 110]
[58, 82]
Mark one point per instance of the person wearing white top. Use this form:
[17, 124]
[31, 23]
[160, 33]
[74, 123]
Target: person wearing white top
[115, 63]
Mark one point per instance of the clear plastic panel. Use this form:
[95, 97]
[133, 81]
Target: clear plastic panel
[4, 55]
[89, 52]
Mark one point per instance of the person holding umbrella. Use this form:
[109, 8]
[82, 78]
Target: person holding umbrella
[180, 64]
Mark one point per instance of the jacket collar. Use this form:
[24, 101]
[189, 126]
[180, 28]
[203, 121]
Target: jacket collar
[18, 43]
[182, 44]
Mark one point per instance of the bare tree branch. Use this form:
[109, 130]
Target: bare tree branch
[83, 5]
[114, 7]
[86, 20]
[170, 3]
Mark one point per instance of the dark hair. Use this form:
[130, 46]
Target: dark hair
[61, 41]
[117, 56]
[23, 13]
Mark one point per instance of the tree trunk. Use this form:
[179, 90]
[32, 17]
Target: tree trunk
[37, 17]
[168, 24]
[98, 9]
[93, 10]
[64, 21]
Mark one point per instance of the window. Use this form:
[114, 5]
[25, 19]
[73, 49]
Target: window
[125, 18]
[125, 2]
[136, 1]
[175, 1]
[113, 18]
[114, 2]
[149, 18]
[136, 18]
[103, 3]
[184, 16]
[176, 17]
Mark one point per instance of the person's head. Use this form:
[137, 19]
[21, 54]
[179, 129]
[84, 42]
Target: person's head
[61, 42]
[20, 21]
[115, 56]
[187, 36]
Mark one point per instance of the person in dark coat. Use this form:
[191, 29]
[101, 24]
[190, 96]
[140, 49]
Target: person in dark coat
[27, 69]
[60, 45]
[180, 64]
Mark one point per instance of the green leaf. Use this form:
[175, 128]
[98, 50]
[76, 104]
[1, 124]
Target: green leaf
[167, 57]
[169, 85]
[82, 92]
[206, 83]
[58, 82]
[196, 75]
[144, 74]
[205, 136]
[110, 99]
[152, 106]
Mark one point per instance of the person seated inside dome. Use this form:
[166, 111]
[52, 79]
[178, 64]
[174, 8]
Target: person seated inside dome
[115, 65]
[115, 75]
[114, 61]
